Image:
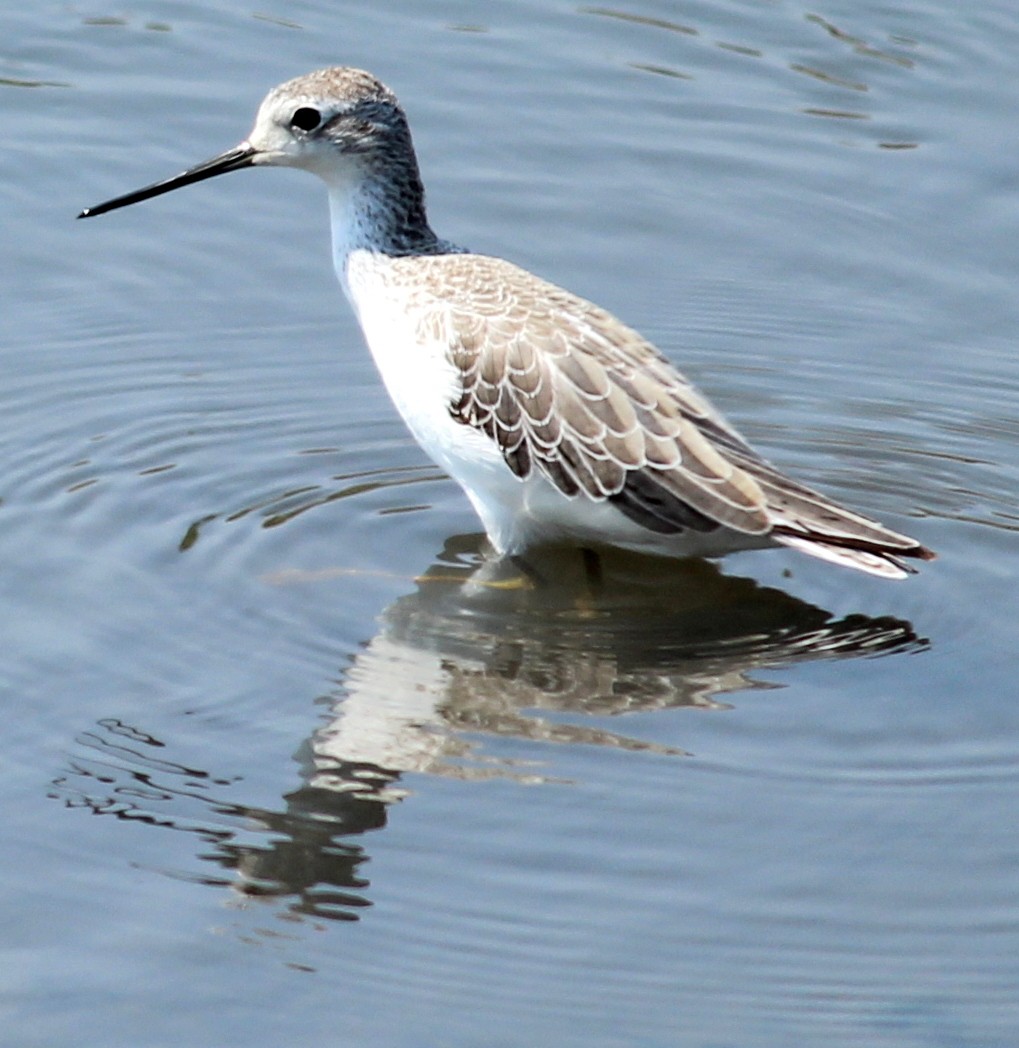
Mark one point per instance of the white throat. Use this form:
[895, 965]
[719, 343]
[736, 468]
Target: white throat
[352, 226]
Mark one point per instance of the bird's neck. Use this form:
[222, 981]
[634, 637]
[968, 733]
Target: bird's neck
[381, 211]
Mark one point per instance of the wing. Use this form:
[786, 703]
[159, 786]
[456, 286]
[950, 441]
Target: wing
[565, 389]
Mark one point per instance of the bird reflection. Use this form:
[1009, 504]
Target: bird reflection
[486, 650]
[477, 650]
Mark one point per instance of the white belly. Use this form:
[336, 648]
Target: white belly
[423, 384]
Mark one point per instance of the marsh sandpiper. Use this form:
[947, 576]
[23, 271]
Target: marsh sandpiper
[561, 424]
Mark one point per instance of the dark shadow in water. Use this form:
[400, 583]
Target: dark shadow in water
[471, 653]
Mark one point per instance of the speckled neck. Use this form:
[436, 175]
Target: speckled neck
[383, 210]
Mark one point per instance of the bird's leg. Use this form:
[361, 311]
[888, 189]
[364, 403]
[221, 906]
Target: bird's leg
[531, 574]
[592, 569]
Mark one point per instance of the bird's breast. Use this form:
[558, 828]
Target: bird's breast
[407, 343]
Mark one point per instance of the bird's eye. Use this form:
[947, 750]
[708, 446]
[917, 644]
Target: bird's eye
[305, 119]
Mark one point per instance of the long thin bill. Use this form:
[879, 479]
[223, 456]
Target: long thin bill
[232, 160]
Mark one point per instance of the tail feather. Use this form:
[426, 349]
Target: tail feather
[875, 562]
[808, 521]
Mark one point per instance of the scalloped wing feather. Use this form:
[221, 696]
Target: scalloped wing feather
[564, 388]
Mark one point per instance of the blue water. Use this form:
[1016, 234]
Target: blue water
[286, 761]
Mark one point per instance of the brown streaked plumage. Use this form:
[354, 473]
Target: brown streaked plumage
[558, 420]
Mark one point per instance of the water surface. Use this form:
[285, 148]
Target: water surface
[286, 760]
